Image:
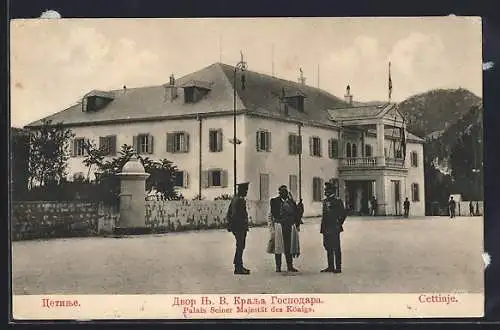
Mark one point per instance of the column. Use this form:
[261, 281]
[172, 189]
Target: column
[132, 198]
[380, 195]
[380, 145]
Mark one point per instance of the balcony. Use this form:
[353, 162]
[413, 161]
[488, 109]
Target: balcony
[370, 162]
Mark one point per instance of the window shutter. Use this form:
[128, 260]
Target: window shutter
[72, 148]
[86, 144]
[102, 142]
[210, 177]
[299, 139]
[112, 143]
[150, 144]
[311, 146]
[335, 148]
[291, 140]
[185, 177]
[258, 141]
[205, 179]
[223, 178]
[170, 142]
[268, 144]
[219, 140]
[330, 148]
[186, 142]
[320, 151]
[135, 143]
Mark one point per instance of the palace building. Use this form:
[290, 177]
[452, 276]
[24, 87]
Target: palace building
[287, 133]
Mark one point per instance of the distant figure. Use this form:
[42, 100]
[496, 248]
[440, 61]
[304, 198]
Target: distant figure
[452, 205]
[477, 208]
[406, 206]
[471, 209]
[373, 206]
[332, 222]
[237, 223]
[284, 223]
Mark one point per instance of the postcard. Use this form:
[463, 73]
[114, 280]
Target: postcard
[246, 168]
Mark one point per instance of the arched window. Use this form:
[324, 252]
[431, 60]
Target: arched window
[348, 150]
[354, 150]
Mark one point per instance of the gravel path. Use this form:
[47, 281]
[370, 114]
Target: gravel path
[380, 256]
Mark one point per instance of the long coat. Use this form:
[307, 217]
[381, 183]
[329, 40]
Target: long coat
[237, 216]
[276, 244]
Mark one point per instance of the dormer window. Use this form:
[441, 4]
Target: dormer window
[195, 90]
[96, 100]
[296, 101]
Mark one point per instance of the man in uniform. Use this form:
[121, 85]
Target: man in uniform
[331, 226]
[237, 223]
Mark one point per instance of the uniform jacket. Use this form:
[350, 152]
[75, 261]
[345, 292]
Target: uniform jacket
[275, 205]
[237, 216]
[333, 217]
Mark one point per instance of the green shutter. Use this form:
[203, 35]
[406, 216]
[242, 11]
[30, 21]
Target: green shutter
[150, 144]
[112, 143]
[219, 140]
[223, 178]
[291, 144]
[268, 144]
[330, 148]
[186, 142]
[257, 141]
[170, 142]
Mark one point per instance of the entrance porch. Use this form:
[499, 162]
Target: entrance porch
[357, 196]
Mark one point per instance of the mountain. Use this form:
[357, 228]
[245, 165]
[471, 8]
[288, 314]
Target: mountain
[429, 114]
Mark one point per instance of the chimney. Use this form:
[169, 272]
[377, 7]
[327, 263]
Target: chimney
[170, 89]
[348, 95]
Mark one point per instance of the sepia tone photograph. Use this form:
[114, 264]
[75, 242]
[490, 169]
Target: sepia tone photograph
[259, 162]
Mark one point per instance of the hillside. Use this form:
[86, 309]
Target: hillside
[434, 111]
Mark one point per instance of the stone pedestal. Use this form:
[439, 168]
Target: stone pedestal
[132, 197]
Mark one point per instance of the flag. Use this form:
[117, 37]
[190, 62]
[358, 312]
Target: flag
[390, 82]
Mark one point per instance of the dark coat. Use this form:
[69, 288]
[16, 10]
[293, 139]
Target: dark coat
[334, 215]
[276, 204]
[237, 216]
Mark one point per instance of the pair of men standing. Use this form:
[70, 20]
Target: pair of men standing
[284, 223]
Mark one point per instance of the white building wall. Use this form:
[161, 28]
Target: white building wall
[279, 164]
[188, 162]
[416, 175]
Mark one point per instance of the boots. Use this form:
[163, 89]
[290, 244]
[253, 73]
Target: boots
[240, 270]
[330, 268]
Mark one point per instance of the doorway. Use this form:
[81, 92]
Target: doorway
[396, 188]
[358, 194]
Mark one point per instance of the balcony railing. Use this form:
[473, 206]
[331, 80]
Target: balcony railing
[370, 162]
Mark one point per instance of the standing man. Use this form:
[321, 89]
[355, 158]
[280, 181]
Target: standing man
[373, 204]
[332, 220]
[452, 207]
[406, 206]
[284, 222]
[237, 223]
[471, 209]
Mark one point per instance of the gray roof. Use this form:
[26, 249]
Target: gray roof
[261, 96]
[358, 112]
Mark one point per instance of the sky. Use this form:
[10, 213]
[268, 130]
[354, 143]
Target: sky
[54, 62]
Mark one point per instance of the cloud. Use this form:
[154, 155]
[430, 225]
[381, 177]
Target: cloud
[417, 53]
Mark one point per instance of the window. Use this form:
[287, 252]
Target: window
[107, 144]
[294, 144]
[368, 150]
[263, 141]
[292, 185]
[333, 148]
[264, 187]
[181, 179]
[215, 178]
[79, 147]
[300, 103]
[414, 159]
[354, 150]
[178, 142]
[215, 140]
[315, 146]
[317, 189]
[189, 95]
[143, 144]
[348, 150]
[414, 192]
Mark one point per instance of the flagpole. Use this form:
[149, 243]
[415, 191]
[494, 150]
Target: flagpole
[390, 83]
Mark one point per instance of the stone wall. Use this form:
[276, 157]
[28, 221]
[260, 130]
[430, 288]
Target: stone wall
[195, 214]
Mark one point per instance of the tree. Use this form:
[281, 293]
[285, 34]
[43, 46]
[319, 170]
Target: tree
[93, 156]
[161, 179]
[19, 162]
[48, 154]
